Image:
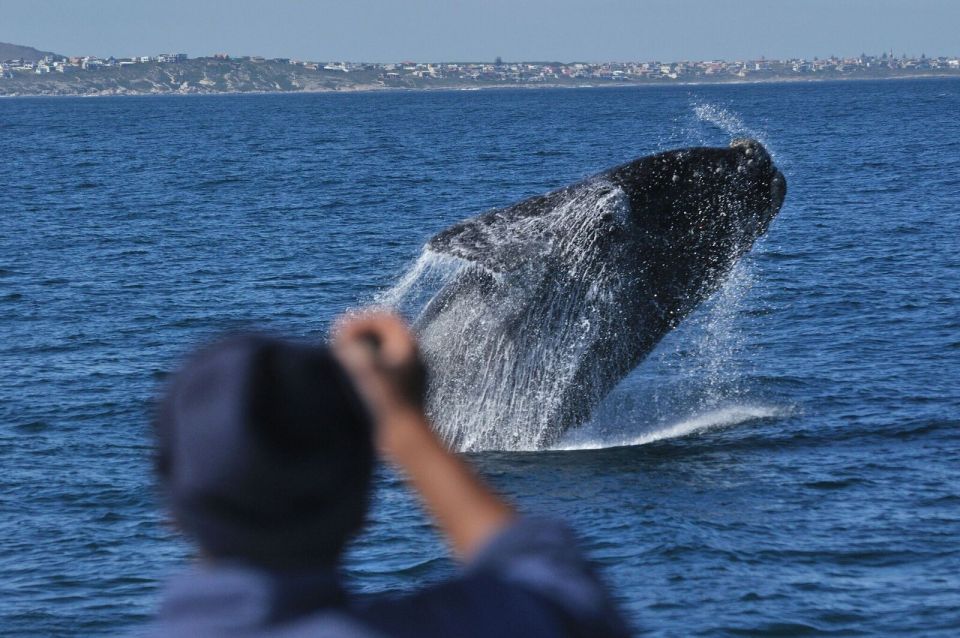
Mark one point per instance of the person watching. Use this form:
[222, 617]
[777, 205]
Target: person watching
[265, 452]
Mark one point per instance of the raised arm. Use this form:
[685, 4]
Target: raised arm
[380, 354]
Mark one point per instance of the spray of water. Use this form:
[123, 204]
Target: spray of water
[509, 373]
[707, 115]
[428, 274]
[510, 365]
[691, 382]
[731, 123]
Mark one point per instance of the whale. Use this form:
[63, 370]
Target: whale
[545, 305]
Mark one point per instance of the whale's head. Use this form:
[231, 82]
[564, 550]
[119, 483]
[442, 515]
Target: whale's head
[693, 212]
[704, 198]
[545, 304]
[695, 204]
[674, 222]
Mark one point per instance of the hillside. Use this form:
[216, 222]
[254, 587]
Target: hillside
[16, 52]
[92, 76]
[202, 75]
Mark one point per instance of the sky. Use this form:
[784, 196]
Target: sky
[480, 30]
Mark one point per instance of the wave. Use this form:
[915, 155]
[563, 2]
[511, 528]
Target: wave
[720, 417]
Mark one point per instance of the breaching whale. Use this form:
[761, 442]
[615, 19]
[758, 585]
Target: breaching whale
[547, 304]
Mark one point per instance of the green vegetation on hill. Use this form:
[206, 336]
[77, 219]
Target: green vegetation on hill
[17, 52]
[202, 75]
[176, 74]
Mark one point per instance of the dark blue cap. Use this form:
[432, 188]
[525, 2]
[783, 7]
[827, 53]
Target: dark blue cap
[266, 452]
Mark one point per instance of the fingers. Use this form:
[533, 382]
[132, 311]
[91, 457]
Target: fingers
[380, 353]
[383, 334]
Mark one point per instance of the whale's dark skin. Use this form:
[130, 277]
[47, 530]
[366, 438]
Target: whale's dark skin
[560, 296]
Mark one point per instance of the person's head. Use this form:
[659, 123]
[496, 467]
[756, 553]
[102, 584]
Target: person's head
[265, 453]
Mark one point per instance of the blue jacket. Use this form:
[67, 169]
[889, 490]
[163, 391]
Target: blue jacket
[529, 581]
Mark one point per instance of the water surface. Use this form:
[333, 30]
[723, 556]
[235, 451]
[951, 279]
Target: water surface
[785, 463]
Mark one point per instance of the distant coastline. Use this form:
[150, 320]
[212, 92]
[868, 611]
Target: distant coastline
[176, 74]
[466, 88]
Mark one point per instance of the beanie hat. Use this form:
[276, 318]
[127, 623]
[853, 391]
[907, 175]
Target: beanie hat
[265, 452]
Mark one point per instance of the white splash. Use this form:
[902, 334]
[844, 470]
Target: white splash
[721, 417]
[509, 365]
[519, 347]
[696, 370]
[429, 273]
[729, 123]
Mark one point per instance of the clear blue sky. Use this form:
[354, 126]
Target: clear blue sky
[438, 30]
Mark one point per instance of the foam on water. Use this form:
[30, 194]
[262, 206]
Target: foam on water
[720, 417]
[694, 376]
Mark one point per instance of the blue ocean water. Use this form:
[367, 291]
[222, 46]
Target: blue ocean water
[786, 463]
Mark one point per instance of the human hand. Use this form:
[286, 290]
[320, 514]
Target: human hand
[380, 354]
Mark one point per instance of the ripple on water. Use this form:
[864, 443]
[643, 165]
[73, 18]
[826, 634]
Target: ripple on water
[790, 473]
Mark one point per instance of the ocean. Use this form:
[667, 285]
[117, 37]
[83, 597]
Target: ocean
[786, 462]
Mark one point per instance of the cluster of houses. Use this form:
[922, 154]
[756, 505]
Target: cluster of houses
[500, 71]
[62, 64]
[631, 71]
